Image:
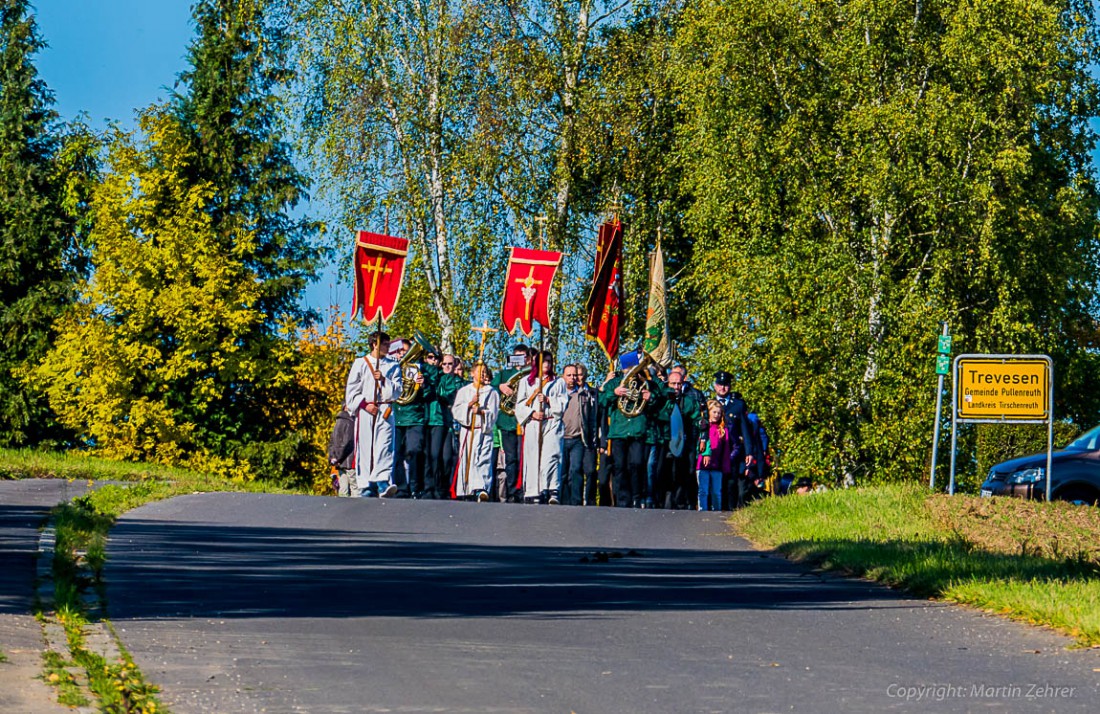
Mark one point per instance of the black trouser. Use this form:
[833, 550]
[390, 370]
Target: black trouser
[450, 456]
[628, 468]
[685, 486]
[434, 468]
[408, 461]
[578, 468]
[603, 479]
[509, 443]
[732, 488]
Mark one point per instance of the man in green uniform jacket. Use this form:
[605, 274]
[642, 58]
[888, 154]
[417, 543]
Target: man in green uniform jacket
[692, 404]
[627, 436]
[411, 421]
[657, 437]
[506, 425]
[441, 454]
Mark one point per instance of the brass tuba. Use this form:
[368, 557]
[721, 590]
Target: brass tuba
[632, 404]
[410, 368]
[508, 401]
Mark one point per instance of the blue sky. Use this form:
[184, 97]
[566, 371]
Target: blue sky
[111, 58]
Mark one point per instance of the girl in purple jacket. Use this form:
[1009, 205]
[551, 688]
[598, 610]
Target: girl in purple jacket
[714, 458]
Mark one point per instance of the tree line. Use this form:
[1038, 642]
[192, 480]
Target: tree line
[830, 182]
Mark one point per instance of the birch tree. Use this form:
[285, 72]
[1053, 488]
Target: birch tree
[544, 147]
[391, 104]
[866, 170]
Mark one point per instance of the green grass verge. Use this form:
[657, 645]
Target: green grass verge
[82, 527]
[28, 463]
[1031, 561]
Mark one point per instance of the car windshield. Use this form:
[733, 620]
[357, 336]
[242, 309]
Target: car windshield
[1089, 441]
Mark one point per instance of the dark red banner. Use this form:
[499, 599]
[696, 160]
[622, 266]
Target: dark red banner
[527, 289]
[379, 268]
[605, 300]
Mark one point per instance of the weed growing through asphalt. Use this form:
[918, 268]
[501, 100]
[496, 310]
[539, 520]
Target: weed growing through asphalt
[56, 674]
[1032, 561]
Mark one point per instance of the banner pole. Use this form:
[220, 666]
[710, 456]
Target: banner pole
[377, 391]
[538, 466]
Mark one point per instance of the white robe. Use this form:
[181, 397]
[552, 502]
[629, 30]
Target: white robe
[373, 433]
[478, 441]
[545, 476]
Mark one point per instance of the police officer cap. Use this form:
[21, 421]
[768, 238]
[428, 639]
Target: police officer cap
[723, 378]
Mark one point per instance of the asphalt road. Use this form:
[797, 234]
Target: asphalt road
[243, 602]
[24, 506]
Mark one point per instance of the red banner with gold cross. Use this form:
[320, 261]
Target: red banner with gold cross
[379, 268]
[527, 289]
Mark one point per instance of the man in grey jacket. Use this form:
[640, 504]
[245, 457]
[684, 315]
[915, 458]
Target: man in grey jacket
[579, 441]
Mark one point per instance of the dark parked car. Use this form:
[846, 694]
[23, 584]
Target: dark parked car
[1076, 473]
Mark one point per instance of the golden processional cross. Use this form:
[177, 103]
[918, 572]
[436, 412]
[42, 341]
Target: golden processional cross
[375, 270]
[528, 290]
[484, 330]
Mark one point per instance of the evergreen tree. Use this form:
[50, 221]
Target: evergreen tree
[37, 239]
[181, 348]
[229, 108]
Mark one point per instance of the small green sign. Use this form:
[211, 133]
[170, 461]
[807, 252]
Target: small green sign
[943, 363]
[945, 345]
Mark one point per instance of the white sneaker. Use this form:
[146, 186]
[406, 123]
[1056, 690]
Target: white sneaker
[390, 490]
[554, 501]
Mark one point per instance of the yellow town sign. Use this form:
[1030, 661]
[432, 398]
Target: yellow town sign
[1002, 388]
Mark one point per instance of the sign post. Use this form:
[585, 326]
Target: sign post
[943, 366]
[1003, 389]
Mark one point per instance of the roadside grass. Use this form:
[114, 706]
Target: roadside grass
[1027, 560]
[82, 527]
[28, 463]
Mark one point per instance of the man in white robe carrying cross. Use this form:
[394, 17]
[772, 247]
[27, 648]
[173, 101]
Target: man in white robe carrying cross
[475, 411]
[540, 405]
[373, 383]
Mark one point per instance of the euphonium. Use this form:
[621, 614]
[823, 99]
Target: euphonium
[508, 401]
[634, 381]
[410, 368]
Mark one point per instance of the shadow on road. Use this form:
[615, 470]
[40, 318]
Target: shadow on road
[158, 569]
[18, 548]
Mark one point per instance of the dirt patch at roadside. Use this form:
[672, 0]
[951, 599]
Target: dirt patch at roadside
[1015, 526]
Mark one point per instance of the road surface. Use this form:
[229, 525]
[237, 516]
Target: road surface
[252, 602]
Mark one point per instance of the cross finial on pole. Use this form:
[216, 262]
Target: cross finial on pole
[541, 220]
[484, 330]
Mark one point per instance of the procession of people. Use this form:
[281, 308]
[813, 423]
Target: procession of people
[417, 424]
[646, 437]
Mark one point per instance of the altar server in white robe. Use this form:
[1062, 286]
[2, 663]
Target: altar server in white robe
[540, 405]
[373, 383]
[475, 410]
